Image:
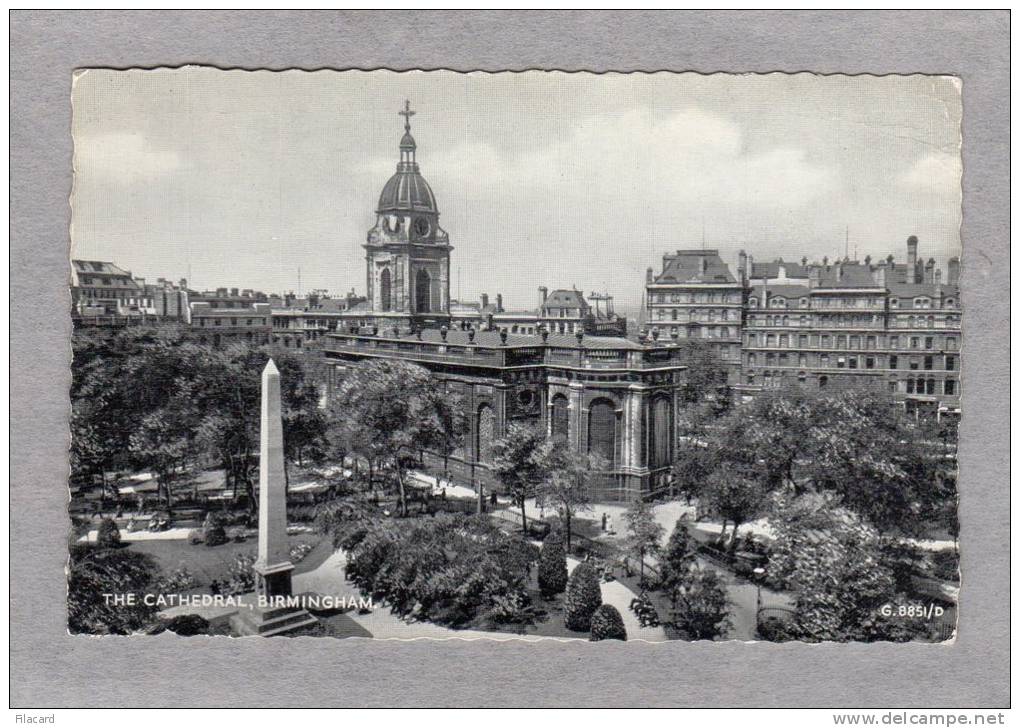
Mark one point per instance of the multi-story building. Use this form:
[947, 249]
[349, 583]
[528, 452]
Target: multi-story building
[886, 325]
[695, 296]
[565, 311]
[298, 322]
[102, 289]
[226, 315]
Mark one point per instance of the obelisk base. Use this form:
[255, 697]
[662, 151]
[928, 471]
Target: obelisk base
[271, 614]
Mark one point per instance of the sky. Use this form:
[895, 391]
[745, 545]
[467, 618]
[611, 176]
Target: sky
[269, 180]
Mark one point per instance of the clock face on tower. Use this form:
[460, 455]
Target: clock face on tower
[421, 227]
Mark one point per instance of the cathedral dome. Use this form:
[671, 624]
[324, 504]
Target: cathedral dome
[407, 191]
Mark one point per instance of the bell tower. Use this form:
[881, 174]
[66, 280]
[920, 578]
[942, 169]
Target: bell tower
[407, 254]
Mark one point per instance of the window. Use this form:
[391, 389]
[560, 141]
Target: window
[910, 386]
[894, 342]
[928, 342]
[852, 362]
[914, 364]
[892, 386]
[915, 342]
[822, 381]
[951, 343]
[826, 341]
[855, 342]
[950, 363]
[384, 290]
[840, 342]
[840, 362]
[931, 386]
[802, 341]
[893, 361]
[869, 362]
[751, 360]
[602, 430]
[950, 386]
[560, 417]
[928, 360]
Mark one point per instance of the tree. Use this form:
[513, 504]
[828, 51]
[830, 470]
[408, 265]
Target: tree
[108, 534]
[735, 496]
[566, 484]
[885, 467]
[644, 533]
[706, 377]
[398, 410]
[516, 465]
[95, 573]
[700, 608]
[677, 558]
[552, 565]
[607, 624]
[832, 559]
[583, 597]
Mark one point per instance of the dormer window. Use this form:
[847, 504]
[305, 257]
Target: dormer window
[752, 301]
[922, 302]
[894, 302]
[803, 302]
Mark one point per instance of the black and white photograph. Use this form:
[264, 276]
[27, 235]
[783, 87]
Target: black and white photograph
[515, 356]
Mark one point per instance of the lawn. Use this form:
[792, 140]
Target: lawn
[208, 563]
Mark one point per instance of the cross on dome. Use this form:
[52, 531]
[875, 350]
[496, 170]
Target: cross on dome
[407, 114]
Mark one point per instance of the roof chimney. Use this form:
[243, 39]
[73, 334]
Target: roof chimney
[911, 255]
[649, 275]
[953, 272]
[499, 303]
[485, 300]
[543, 293]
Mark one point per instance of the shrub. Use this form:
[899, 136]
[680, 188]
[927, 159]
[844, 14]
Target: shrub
[515, 608]
[702, 611]
[449, 569]
[215, 536]
[179, 580]
[607, 624]
[188, 625]
[241, 576]
[552, 567]
[583, 597]
[108, 535]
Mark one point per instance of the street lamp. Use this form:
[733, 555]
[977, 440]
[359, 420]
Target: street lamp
[759, 571]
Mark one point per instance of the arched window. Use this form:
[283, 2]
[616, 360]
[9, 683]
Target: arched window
[560, 417]
[662, 432]
[485, 433]
[602, 430]
[822, 381]
[384, 290]
[423, 292]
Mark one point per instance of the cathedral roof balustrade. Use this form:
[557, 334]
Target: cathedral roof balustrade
[489, 350]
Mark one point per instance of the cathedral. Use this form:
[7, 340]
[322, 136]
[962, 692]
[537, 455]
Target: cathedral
[601, 394]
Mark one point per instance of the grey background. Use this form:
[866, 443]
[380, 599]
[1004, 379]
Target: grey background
[51, 669]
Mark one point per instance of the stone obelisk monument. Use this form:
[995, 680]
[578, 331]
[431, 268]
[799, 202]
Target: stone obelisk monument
[271, 613]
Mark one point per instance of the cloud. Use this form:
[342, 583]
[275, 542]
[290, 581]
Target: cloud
[688, 157]
[940, 173]
[123, 158]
